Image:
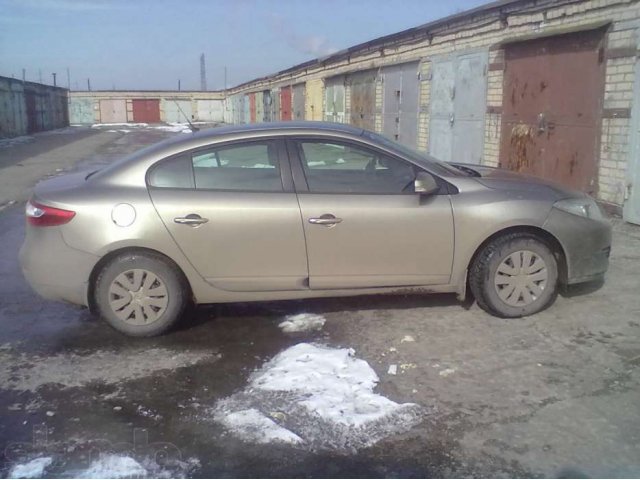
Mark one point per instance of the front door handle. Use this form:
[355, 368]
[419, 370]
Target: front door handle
[193, 220]
[327, 220]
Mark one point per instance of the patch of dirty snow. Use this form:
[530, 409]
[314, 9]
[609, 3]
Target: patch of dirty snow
[98, 125]
[254, 426]
[32, 469]
[12, 142]
[20, 371]
[113, 466]
[174, 127]
[303, 322]
[125, 466]
[322, 395]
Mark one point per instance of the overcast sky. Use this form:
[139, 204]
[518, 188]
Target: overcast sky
[151, 44]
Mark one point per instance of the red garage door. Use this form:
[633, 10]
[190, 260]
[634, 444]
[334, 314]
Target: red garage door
[553, 95]
[146, 110]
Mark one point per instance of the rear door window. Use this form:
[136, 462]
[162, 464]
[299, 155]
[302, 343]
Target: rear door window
[248, 167]
[252, 167]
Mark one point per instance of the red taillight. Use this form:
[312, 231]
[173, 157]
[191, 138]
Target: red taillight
[43, 216]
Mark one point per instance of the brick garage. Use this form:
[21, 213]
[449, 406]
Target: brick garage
[489, 30]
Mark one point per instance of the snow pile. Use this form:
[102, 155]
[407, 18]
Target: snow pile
[124, 466]
[98, 125]
[255, 427]
[303, 322]
[32, 469]
[113, 466]
[322, 397]
[175, 127]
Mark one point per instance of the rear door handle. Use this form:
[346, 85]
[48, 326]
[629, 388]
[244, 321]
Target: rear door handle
[327, 220]
[193, 220]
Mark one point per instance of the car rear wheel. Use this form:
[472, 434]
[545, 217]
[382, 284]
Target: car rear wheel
[514, 276]
[140, 294]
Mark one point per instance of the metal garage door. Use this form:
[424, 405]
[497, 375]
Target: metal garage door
[210, 110]
[400, 103]
[363, 99]
[285, 103]
[551, 108]
[458, 104]
[266, 106]
[631, 209]
[334, 99]
[177, 111]
[275, 105]
[113, 111]
[81, 111]
[146, 110]
[298, 101]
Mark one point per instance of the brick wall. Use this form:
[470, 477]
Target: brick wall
[490, 29]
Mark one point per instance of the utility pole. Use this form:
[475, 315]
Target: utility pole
[68, 79]
[225, 78]
[178, 84]
[54, 79]
[24, 75]
[40, 75]
[88, 84]
[203, 74]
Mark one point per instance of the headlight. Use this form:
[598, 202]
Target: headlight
[583, 207]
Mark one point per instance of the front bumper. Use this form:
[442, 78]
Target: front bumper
[52, 268]
[586, 243]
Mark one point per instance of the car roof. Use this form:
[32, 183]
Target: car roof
[283, 126]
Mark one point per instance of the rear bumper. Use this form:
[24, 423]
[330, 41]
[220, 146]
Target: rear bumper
[52, 268]
[586, 243]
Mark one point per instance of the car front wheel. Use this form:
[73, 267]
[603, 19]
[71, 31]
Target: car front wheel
[514, 276]
[140, 294]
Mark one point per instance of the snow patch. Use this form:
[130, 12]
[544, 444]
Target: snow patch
[113, 466]
[174, 127]
[98, 125]
[32, 469]
[303, 322]
[321, 395]
[254, 426]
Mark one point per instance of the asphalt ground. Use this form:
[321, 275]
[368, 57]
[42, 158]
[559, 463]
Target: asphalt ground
[547, 396]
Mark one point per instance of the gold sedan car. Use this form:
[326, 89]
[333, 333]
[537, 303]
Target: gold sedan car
[299, 210]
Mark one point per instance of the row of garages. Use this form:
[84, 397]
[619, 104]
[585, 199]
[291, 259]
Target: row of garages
[386, 99]
[544, 87]
[87, 108]
[27, 107]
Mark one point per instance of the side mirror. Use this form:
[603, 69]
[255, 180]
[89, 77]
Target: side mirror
[425, 184]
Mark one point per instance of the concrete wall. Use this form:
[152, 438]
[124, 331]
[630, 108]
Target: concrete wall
[27, 107]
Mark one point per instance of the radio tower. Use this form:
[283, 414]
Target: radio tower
[203, 75]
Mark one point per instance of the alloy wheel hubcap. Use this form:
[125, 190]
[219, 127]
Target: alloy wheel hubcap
[138, 297]
[521, 278]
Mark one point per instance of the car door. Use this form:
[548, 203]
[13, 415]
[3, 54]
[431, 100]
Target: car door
[232, 210]
[364, 225]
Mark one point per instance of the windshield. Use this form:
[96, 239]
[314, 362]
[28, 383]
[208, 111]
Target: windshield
[428, 161]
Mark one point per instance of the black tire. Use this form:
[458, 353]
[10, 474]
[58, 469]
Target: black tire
[491, 287]
[158, 302]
